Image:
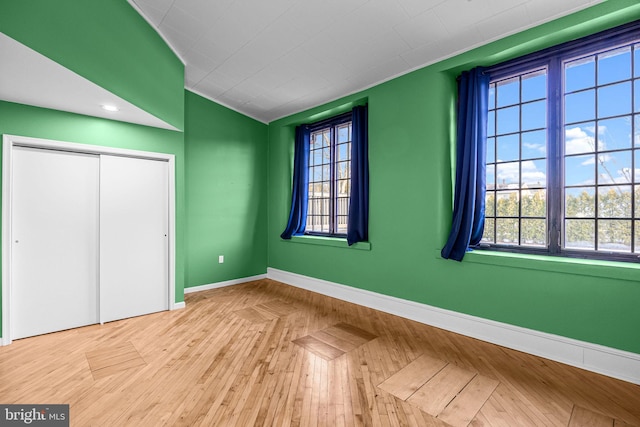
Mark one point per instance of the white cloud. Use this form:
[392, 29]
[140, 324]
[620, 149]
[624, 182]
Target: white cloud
[534, 146]
[578, 140]
[510, 173]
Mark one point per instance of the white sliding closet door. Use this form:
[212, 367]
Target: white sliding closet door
[133, 237]
[54, 253]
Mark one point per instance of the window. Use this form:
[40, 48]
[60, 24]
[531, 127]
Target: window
[329, 177]
[563, 150]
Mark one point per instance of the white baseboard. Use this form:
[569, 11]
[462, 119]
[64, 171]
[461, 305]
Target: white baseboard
[593, 357]
[177, 306]
[223, 284]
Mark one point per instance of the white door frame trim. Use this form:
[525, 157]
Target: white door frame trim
[11, 141]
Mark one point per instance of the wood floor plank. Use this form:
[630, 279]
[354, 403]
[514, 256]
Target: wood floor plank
[464, 407]
[339, 343]
[582, 417]
[109, 360]
[410, 378]
[352, 330]
[319, 348]
[278, 308]
[208, 365]
[436, 393]
[253, 315]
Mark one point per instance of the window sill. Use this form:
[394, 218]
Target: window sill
[330, 241]
[575, 266]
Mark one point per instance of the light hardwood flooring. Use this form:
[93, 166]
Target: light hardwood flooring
[264, 353]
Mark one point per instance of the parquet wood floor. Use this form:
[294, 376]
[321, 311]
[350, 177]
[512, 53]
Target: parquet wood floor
[236, 356]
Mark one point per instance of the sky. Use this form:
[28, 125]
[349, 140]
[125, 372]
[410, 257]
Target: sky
[599, 109]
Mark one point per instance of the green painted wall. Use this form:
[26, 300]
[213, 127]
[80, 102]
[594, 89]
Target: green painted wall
[23, 120]
[108, 43]
[226, 154]
[410, 154]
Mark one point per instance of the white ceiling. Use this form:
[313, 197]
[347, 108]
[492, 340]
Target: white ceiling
[272, 58]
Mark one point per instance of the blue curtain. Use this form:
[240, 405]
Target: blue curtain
[358, 221]
[298, 213]
[468, 210]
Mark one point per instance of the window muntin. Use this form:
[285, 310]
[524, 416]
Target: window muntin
[598, 152]
[589, 151]
[329, 178]
[516, 161]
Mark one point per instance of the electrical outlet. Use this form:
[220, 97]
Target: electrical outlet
[220, 259]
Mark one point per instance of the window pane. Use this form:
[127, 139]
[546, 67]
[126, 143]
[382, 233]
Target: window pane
[491, 177]
[326, 172]
[614, 100]
[343, 170]
[508, 147]
[636, 90]
[534, 232]
[344, 187]
[579, 170]
[534, 115]
[344, 133]
[580, 139]
[342, 224]
[489, 228]
[534, 203]
[507, 231]
[325, 189]
[507, 175]
[489, 199]
[534, 86]
[534, 144]
[508, 120]
[636, 60]
[636, 132]
[326, 155]
[580, 106]
[317, 140]
[491, 123]
[316, 174]
[580, 74]
[342, 206]
[580, 202]
[614, 201]
[614, 235]
[580, 234]
[637, 197]
[326, 138]
[508, 92]
[507, 204]
[491, 150]
[534, 174]
[614, 167]
[614, 66]
[316, 158]
[637, 236]
[614, 134]
[344, 151]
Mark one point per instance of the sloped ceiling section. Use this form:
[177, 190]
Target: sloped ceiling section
[33, 79]
[270, 59]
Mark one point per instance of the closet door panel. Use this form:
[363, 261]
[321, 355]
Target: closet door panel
[133, 237]
[54, 230]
